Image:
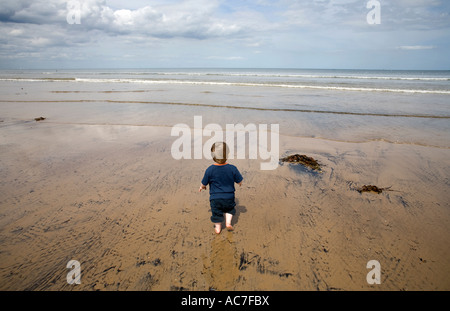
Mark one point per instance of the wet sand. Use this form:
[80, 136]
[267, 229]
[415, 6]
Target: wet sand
[113, 198]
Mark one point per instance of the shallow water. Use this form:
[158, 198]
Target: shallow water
[405, 107]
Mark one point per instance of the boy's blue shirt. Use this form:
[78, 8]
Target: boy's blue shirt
[221, 179]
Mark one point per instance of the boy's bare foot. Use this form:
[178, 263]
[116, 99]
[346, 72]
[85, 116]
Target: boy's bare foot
[228, 218]
[217, 228]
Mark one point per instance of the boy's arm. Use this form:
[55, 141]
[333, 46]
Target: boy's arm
[238, 178]
[205, 181]
[202, 187]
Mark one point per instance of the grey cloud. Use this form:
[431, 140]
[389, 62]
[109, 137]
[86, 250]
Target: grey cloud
[191, 19]
[33, 12]
[38, 29]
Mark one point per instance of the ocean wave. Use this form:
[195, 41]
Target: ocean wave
[38, 79]
[249, 84]
[309, 76]
[279, 75]
[350, 76]
[225, 83]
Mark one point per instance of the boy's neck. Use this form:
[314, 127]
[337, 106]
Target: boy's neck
[220, 164]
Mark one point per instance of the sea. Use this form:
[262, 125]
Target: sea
[398, 107]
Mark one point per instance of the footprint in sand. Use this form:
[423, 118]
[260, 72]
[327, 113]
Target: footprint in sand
[221, 269]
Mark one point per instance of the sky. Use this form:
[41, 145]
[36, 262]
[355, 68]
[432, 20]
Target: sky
[325, 34]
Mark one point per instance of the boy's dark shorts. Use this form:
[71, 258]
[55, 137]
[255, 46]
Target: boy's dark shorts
[220, 206]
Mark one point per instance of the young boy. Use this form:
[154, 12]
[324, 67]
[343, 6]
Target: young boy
[221, 177]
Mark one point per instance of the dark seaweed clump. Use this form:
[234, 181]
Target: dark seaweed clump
[370, 188]
[302, 159]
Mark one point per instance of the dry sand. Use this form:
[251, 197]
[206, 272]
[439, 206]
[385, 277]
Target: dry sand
[113, 198]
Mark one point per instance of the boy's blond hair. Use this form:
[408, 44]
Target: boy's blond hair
[219, 152]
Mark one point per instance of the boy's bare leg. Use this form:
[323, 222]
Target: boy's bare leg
[228, 218]
[217, 227]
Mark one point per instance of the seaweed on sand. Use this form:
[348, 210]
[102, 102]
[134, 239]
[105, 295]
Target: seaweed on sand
[371, 188]
[302, 159]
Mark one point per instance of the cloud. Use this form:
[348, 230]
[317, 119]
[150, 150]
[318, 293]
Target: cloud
[190, 19]
[33, 12]
[271, 33]
[204, 19]
[39, 30]
[226, 57]
[416, 47]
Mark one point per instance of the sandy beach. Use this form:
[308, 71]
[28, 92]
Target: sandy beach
[336, 114]
[96, 182]
[112, 198]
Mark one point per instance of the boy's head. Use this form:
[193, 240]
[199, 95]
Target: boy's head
[219, 152]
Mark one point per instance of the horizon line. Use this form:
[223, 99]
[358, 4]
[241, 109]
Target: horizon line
[207, 67]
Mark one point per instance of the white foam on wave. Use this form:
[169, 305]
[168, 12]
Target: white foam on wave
[224, 83]
[309, 76]
[300, 86]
